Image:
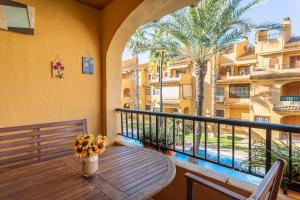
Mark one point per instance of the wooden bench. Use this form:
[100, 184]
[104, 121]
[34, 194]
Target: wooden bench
[267, 189]
[23, 145]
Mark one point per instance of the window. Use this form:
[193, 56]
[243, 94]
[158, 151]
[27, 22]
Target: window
[148, 107]
[239, 91]
[220, 113]
[220, 91]
[148, 91]
[149, 76]
[273, 62]
[295, 62]
[262, 119]
[156, 91]
[180, 71]
[244, 70]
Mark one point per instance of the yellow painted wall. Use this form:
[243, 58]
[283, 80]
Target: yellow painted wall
[28, 93]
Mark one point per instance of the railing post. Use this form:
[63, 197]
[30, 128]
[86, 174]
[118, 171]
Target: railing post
[144, 130]
[205, 140]
[183, 145]
[218, 147]
[249, 149]
[290, 157]
[121, 122]
[126, 121]
[165, 131]
[138, 125]
[150, 127]
[174, 137]
[194, 141]
[268, 149]
[131, 118]
[233, 147]
[156, 131]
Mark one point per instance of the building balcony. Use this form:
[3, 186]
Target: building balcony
[286, 108]
[290, 98]
[240, 102]
[245, 77]
[278, 71]
[179, 78]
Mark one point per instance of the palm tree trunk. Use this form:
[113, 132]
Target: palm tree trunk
[199, 73]
[214, 89]
[137, 89]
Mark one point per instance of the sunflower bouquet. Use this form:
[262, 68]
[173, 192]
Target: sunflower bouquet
[88, 145]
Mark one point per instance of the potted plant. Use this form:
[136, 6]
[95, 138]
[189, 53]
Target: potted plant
[87, 147]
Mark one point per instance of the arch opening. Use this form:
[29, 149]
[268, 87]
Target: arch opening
[147, 11]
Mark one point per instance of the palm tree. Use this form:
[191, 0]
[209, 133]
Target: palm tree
[203, 30]
[228, 26]
[137, 44]
[162, 52]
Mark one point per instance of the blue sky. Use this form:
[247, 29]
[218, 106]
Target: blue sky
[268, 11]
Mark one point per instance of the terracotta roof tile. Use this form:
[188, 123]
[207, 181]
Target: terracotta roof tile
[293, 41]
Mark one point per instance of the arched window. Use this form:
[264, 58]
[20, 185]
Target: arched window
[126, 92]
[186, 111]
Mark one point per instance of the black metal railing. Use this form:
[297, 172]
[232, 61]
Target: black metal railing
[251, 150]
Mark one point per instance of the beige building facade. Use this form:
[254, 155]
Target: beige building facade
[178, 87]
[259, 82]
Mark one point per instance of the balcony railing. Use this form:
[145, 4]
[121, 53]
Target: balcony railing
[169, 132]
[269, 37]
[276, 67]
[290, 98]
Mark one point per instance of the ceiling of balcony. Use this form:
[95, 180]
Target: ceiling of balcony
[98, 4]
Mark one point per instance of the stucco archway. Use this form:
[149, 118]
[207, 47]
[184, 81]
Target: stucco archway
[147, 11]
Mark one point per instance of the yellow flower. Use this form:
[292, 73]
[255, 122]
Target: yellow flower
[88, 145]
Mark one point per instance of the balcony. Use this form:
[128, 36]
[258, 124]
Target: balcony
[242, 77]
[269, 37]
[290, 98]
[178, 134]
[178, 78]
[276, 71]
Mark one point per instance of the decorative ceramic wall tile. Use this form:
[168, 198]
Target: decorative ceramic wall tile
[57, 68]
[87, 65]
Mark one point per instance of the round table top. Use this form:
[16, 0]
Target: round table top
[138, 173]
[124, 173]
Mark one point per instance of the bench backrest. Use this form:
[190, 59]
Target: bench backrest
[23, 145]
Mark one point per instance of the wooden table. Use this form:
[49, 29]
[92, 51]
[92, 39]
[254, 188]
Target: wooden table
[124, 173]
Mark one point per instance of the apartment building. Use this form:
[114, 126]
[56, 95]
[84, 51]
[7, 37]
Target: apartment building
[129, 84]
[261, 82]
[177, 87]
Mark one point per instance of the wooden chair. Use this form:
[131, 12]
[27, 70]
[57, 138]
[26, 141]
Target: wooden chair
[267, 189]
[23, 145]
